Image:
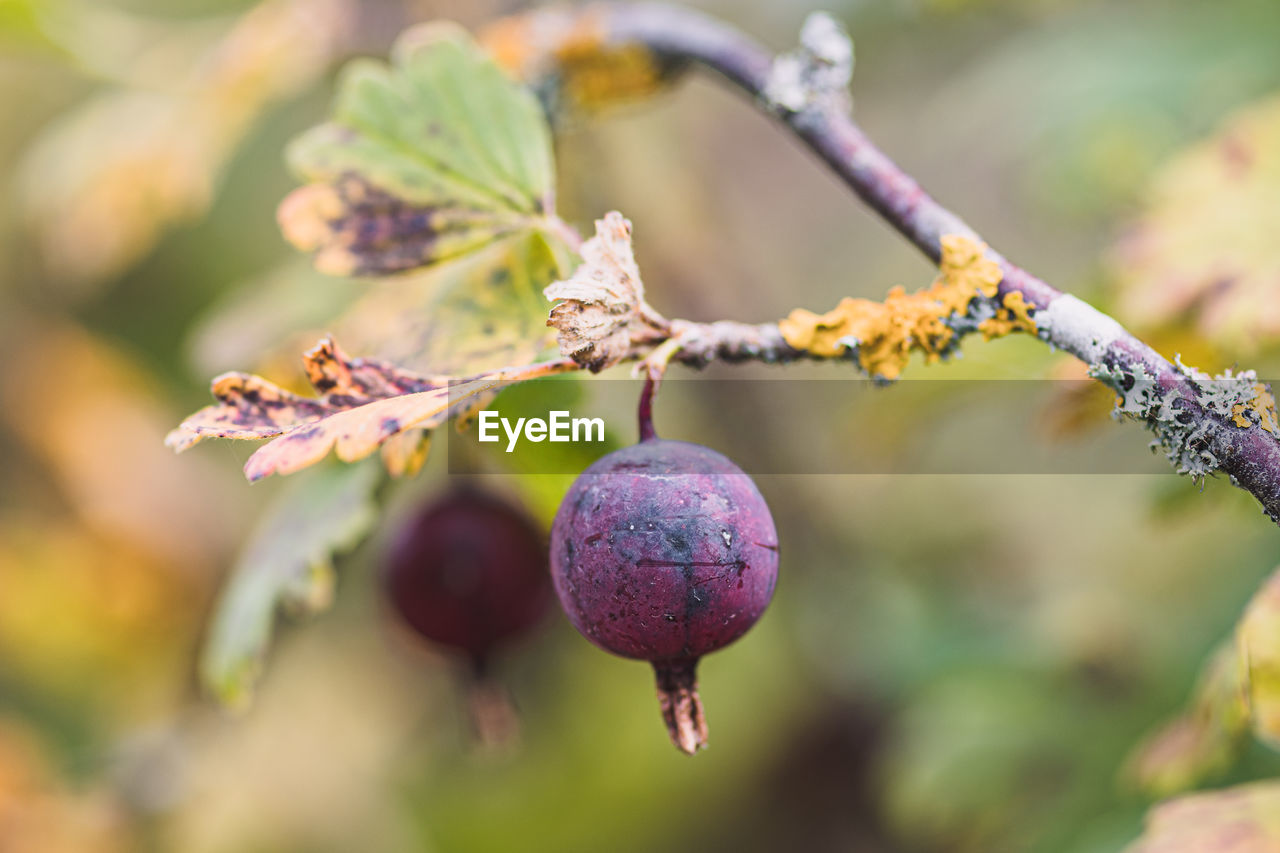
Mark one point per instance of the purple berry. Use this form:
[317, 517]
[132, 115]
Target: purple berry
[665, 551]
[469, 572]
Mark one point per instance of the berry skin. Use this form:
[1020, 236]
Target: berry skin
[665, 551]
[469, 572]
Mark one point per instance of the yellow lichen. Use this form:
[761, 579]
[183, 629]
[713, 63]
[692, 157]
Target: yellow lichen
[886, 333]
[1015, 316]
[966, 271]
[595, 77]
[511, 42]
[1263, 406]
[573, 45]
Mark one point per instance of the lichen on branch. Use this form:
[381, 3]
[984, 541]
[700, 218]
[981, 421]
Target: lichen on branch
[1237, 399]
[684, 38]
[817, 73]
[568, 55]
[881, 336]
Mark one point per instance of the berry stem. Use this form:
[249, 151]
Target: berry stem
[495, 722]
[645, 411]
[681, 705]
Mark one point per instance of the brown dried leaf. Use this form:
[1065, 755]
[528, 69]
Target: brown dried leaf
[601, 314]
[363, 403]
[251, 407]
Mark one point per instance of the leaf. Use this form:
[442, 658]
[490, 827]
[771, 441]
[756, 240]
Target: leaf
[362, 404]
[1243, 819]
[1258, 644]
[251, 407]
[1205, 248]
[288, 564]
[600, 311]
[404, 454]
[476, 313]
[1201, 742]
[1238, 689]
[884, 334]
[107, 178]
[270, 315]
[435, 156]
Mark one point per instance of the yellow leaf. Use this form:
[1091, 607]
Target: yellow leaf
[105, 181]
[1258, 642]
[1205, 248]
[1201, 742]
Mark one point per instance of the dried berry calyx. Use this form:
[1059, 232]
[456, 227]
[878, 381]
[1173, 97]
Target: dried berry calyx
[469, 572]
[665, 551]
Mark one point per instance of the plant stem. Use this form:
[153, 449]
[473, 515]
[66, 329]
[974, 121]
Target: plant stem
[677, 38]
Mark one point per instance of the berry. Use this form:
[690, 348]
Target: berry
[665, 551]
[469, 572]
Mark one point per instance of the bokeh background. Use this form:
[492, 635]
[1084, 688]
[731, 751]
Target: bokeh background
[952, 663]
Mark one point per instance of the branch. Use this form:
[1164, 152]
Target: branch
[1204, 424]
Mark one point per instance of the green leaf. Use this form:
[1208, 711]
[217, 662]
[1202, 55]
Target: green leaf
[435, 156]
[1243, 819]
[479, 313]
[288, 564]
[269, 316]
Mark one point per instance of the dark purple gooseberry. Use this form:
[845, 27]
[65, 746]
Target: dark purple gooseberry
[665, 551]
[469, 572]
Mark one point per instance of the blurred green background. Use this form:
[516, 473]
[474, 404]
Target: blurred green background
[951, 663]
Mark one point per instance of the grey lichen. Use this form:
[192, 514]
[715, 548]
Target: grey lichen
[1180, 432]
[817, 73]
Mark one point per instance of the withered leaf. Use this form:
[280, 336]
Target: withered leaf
[430, 158]
[600, 311]
[362, 404]
[252, 407]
